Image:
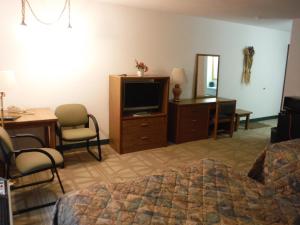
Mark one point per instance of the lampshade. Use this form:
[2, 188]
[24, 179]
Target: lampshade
[178, 76]
[7, 80]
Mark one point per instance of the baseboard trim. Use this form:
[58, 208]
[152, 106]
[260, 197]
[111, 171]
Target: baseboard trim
[83, 144]
[106, 141]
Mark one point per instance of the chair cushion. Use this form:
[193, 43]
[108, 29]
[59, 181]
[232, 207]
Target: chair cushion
[71, 115]
[28, 162]
[78, 134]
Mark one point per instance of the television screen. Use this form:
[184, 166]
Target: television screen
[139, 96]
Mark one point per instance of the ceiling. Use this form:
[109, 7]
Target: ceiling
[276, 14]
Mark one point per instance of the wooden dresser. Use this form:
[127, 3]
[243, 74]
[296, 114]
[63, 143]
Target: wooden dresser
[129, 133]
[144, 133]
[189, 119]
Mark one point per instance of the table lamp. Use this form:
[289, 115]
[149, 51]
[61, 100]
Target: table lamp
[178, 78]
[7, 80]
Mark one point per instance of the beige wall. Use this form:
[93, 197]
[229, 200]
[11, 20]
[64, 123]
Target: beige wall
[292, 81]
[55, 65]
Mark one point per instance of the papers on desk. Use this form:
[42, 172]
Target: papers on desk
[10, 118]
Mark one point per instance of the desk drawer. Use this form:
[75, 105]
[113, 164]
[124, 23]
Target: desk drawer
[194, 122]
[144, 133]
[193, 111]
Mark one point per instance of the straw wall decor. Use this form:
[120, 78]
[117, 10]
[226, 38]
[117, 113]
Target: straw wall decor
[248, 60]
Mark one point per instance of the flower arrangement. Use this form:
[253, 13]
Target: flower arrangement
[141, 66]
[248, 60]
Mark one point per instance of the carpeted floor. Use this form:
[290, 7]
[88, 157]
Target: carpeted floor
[82, 170]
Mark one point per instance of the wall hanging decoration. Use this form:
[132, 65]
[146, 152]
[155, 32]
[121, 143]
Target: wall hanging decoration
[248, 60]
[67, 6]
[142, 68]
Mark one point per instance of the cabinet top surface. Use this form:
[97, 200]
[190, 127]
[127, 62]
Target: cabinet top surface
[201, 101]
[130, 76]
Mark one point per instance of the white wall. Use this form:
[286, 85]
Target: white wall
[292, 82]
[55, 65]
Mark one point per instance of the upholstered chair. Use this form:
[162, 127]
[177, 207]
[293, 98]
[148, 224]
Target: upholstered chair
[73, 126]
[28, 161]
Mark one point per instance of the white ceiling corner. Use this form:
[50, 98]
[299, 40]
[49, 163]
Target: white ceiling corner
[275, 14]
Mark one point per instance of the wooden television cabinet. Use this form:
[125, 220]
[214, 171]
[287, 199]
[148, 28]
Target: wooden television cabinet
[129, 132]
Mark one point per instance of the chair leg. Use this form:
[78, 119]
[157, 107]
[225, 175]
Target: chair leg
[6, 171]
[32, 184]
[61, 151]
[99, 147]
[99, 158]
[43, 205]
[88, 145]
[60, 183]
[18, 212]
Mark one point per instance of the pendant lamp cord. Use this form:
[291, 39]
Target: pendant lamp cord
[66, 5]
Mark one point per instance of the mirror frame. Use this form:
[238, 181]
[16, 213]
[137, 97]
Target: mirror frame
[196, 77]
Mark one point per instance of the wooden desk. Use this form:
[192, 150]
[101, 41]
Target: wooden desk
[39, 117]
[189, 119]
[241, 113]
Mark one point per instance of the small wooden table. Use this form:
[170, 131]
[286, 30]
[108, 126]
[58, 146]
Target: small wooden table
[39, 117]
[241, 113]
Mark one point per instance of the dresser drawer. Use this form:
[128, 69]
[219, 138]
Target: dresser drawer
[144, 133]
[140, 142]
[193, 123]
[151, 124]
[192, 111]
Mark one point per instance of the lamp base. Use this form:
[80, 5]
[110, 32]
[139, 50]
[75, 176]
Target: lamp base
[176, 93]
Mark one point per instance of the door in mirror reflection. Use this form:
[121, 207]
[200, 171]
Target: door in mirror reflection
[207, 76]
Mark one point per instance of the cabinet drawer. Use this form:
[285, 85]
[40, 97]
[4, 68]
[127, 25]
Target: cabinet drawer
[131, 144]
[144, 133]
[192, 111]
[193, 123]
[143, 124]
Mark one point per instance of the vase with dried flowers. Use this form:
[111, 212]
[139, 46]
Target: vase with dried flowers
[142, 68]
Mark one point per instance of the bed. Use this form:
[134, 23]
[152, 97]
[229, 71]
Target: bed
[206, 192]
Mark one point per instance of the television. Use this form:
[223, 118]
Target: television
[140, 96]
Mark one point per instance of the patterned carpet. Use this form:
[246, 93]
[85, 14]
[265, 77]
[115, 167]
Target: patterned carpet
[82, 170]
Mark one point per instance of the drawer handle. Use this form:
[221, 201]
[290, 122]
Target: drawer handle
[194, 120]
[144, 138]
[144, 124]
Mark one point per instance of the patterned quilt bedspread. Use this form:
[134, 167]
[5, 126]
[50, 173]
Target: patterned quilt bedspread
[206, 192]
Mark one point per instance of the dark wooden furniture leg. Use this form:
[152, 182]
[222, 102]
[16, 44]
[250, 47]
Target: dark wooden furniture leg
[237, 122]
[52, 136]
[247, 122]
[46, 136]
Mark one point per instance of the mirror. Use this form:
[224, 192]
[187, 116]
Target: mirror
[206, 76]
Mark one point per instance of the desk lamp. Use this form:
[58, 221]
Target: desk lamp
[178, 78]
[7, 79]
